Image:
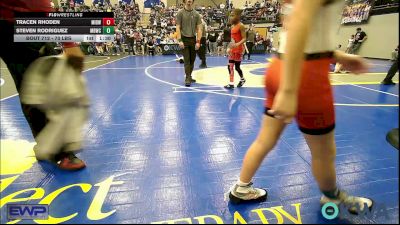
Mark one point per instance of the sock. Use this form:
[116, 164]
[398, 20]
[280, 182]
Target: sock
[242, 187]
[333, 194]
[242, 184]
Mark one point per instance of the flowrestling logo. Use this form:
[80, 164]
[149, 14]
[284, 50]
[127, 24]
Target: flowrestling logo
[27, 212]
[331, 211]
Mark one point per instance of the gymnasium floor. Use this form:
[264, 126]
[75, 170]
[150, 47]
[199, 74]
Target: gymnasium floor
[159, 152]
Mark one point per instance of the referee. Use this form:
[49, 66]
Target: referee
[188, 23]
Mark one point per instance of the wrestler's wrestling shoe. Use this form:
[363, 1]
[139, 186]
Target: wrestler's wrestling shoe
[243, 194]
[241, 82]
[353, 203]
[229, 86]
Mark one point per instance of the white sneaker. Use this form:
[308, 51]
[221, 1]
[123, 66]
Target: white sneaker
[241, 194]
[350, 202]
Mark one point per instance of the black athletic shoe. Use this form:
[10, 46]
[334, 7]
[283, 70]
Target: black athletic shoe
[241, 82]
[388, 82]
[229, 86]
[202, 66]
[193, 80]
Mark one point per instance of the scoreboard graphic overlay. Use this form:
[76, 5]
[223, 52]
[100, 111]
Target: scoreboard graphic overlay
[64, 27]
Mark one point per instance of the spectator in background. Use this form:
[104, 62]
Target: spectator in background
[220, 46]
[203, 41]
[164, 24]
[212, 40]
[110, 48]
[99, 48]
[92, 49]
[360, 37]
[268, 45]
[350, 43]
[151, 46]
[259, 39]
[251, 37]
[138, 42]
[366, 11]
[64, 5]
[393, 69]
[119, 39]
[131, 41]
[226, 37]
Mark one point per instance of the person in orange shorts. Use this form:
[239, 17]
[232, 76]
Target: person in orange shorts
[236, 48]
[298, 86]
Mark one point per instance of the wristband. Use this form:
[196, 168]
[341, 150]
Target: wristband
[180, 40]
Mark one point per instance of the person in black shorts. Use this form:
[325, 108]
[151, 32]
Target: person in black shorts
[150, 46]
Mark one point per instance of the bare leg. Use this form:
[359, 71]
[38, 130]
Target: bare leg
[323, 151]
[269, 134]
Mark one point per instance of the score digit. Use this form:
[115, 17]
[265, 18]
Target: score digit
[108, 30]
[108, 22]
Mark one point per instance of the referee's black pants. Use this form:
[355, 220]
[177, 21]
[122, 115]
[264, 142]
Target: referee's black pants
[189, 54]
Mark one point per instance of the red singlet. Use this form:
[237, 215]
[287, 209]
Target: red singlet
[236, 36]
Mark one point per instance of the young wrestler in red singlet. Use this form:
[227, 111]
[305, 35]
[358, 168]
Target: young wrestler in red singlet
[297, 86]
[236, 48]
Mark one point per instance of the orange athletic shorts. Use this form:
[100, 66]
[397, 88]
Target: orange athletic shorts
[315, 113]
[235, 56]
